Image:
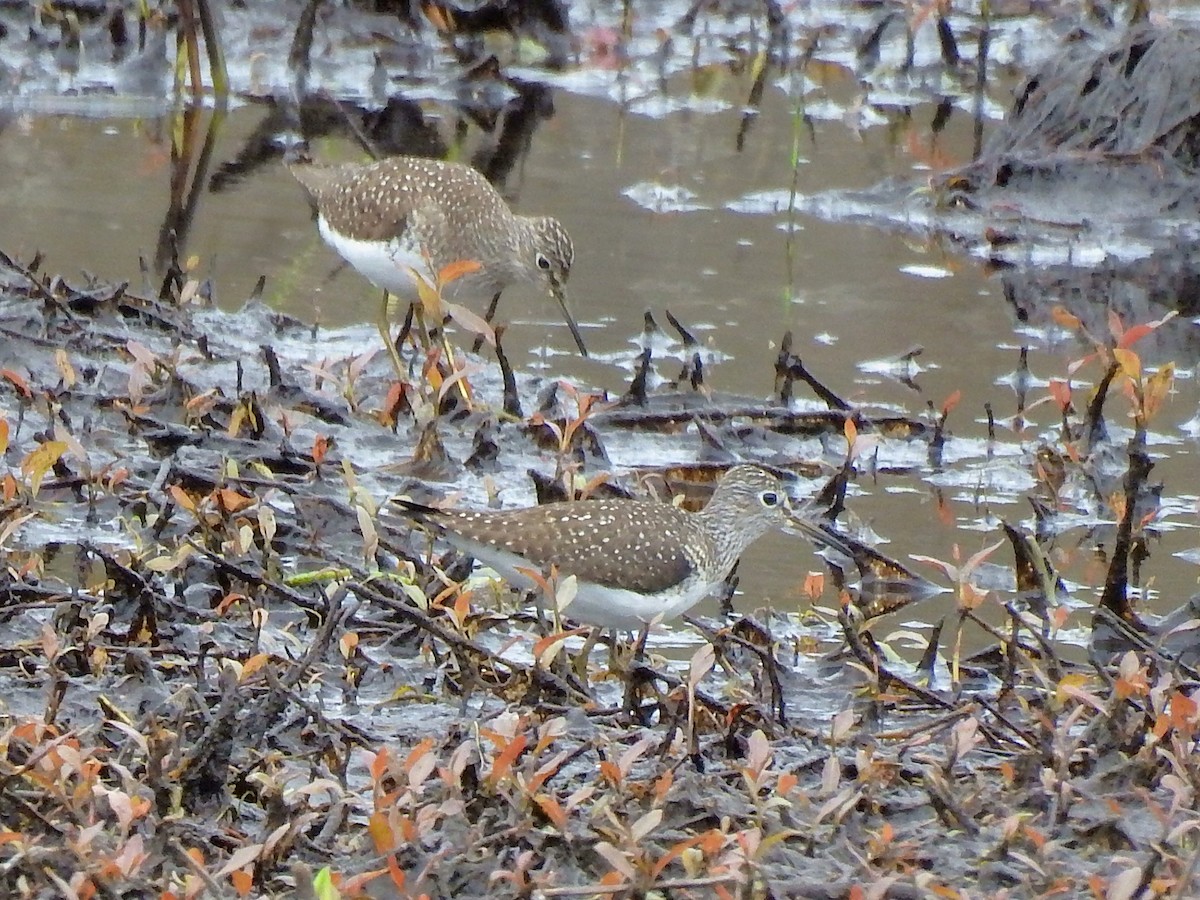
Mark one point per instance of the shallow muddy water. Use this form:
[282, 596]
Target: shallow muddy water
[671, 195]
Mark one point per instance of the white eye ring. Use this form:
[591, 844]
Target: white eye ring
[769, 499]
[543, 262]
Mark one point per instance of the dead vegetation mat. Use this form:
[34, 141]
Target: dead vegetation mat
[225, 675]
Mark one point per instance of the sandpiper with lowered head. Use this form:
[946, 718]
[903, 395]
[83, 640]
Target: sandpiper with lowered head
[405, 213]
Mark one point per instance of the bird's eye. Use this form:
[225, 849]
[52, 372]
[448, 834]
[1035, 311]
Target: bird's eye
[770, 499]
[543, 262]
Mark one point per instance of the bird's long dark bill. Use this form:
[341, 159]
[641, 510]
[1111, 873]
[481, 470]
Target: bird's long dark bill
[561, 296]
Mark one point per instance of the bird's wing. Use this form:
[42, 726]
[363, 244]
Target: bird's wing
[569, 543]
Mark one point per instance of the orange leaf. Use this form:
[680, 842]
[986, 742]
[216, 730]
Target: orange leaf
[228, 601]
[242, 880]
[552, 809]
[674, 852]
[1133, 335]
[951, 402]
[1064, 319]
[182, 498]
[253, 664]
[850, 430]
[381, 832]
[414, 755]
[662, 784]
[505, 759]
[320, 448]
[814, 585]
[356, 885]
[451, 272]
[18, 382]
[462, 606]
[558, 637]
[1061, 392]
[380, 763]
[1183, 712]
[396, 873]
[231, 501]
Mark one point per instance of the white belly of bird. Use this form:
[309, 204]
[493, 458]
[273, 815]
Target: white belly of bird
[595, 604]
[386, 265]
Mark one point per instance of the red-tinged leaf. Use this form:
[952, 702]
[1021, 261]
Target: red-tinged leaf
[396, 873]
[243, 881]
[552, 810]
[17, 382]
[814, 585]
[230, 501]
[786, 784]
[609, 771]
[1065, 319]
[451, 272]
[229, 601]
[3, 436]
[662, 785]
[951, 402]
[941, 890]
[674, 852]
[1162, 724]
[504, 760]
[320, 448]
[10, 487]
[408, 829]
[356, 885]
[554, 641]
[380, 829]
[711, 841]
[1061, 392]
[546, 771]
[1133, 335]
[379, 765]
[1183, 712]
